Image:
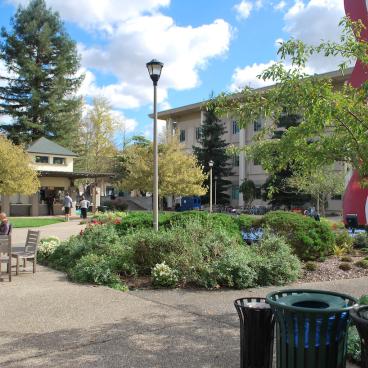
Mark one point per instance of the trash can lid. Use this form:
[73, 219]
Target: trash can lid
[313, 301]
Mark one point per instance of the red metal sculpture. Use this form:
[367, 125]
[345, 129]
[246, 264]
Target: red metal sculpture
[355, 197]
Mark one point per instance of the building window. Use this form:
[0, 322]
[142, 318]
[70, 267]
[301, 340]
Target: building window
[42, 159]
[235, 127]
[336, 197]
[236, 160]
[257, 125]
[182, 135]
[59, 160]
[198, 133]
[258, 192]
[234, 192]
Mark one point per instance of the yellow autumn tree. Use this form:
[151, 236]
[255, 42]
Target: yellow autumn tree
[16, 172]
[179, 172]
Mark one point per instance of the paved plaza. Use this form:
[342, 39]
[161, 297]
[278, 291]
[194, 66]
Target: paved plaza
[47, 321]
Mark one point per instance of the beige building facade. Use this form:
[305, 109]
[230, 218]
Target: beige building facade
[185, 121]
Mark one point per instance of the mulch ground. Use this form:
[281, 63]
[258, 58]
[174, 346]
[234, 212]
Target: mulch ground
[329, 270]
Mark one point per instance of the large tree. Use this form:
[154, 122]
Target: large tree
[179, 172]
[17, 173]
[39, 90]
[96, 148]
[333, 124]
[213, 147]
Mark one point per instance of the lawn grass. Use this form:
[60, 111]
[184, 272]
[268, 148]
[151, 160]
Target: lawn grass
[18, 222]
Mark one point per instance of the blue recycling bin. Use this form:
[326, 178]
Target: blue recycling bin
[311, 327]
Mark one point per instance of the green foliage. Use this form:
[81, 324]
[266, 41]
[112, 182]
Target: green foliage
[309, 239]
[362, 263]
[343, 239]
[274, 262]
[360, 241]
[311, 266]
[363, 300]
[95, 269]
[213, 147]
[353, 346]
[198, 248]
[109, 217]
[164, 276]
[345, 266]
[38, 91]
[248, 189]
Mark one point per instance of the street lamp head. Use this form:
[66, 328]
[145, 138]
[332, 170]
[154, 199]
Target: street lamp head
[154, 69]
[210, 164]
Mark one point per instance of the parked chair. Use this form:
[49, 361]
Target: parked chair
[30, 250]
[5, 253]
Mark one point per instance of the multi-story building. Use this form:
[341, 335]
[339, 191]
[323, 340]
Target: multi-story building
[186, 122]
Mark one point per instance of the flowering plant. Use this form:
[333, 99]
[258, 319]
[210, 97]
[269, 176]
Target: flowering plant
[47, 246]
[164, 275]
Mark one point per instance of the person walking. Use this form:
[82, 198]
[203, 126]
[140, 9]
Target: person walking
[84, 205]
[68, 204]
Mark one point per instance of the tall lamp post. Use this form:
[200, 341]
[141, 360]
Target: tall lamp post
[210, 164]
[216, 191]
[154, 69]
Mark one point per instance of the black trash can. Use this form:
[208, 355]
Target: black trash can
[360, 318]
[311, 327]
[256, 332]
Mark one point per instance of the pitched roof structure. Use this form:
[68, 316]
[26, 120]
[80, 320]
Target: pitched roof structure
[45, 146]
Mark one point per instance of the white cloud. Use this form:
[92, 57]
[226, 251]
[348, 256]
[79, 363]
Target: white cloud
[184, 51]
[314, 21]
[280, 5]
[247, 77]
[243, 9]
[129, 34]
[102, 14]
[310, 22]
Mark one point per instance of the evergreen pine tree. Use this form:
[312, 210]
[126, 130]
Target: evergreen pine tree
[39, 90]
[213, 147]
[283, 194]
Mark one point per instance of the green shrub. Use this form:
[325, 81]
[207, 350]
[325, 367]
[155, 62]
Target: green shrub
[363, 300]
[343, 238]
[346, 259]
[322, 259]
[109, 217]
[360, 241]
[353, 346]
[311, 266]
[96, 269]
[164, 276]
[309, 239]
[362, 263]
[234, 269]
[274, 262]
[345, 266]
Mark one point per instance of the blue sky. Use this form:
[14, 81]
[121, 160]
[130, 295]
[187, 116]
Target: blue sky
[206, 45]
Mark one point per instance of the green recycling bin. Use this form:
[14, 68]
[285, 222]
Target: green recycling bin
[311, 327]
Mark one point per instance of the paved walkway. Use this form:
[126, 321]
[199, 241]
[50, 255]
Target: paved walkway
[47, 321]
[62, 230]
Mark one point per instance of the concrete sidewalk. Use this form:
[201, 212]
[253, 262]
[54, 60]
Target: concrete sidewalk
[62, 230]
[47, 321]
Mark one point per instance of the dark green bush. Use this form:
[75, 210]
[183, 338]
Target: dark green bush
[96, 269]
[345, 266]
[353, 346]
[362, 263]
[311, 266]
[274, 262]
[309, 239]
[360, 241]
[346, 259]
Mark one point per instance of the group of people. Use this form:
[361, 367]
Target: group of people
[68, 205]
